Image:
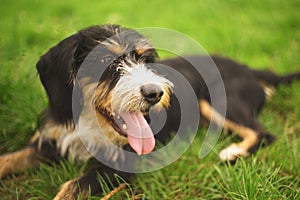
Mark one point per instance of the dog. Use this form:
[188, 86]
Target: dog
[101, 88]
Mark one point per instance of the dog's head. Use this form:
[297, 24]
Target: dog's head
[124, 93]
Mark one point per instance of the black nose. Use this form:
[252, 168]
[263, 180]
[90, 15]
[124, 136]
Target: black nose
[152, 92]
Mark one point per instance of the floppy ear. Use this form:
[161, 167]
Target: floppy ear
[57, 69]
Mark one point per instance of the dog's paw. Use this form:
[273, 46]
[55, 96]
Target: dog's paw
[6, 166]
[2, 167]
[68, 191]
[232, 152]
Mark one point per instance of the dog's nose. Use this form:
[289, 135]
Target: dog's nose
[152, 92]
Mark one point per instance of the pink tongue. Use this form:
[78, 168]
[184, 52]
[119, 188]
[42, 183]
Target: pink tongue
[139, 133]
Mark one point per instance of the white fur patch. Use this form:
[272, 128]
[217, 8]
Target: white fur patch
[232, 152]
[126, 95]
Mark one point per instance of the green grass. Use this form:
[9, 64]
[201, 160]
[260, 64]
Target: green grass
[261, 33]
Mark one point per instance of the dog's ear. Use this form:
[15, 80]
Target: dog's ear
[57, 69]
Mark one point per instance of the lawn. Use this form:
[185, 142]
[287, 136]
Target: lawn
[260, 33]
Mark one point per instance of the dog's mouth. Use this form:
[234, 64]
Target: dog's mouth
[135, 127]
[139, 133]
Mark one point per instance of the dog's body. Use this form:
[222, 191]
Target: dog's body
[246, 93]
[126, 90]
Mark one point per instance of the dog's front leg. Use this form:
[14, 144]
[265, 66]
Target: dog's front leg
[90, 183]
[18, 161]
[28, 157]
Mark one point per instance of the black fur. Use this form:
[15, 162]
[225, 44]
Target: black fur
[59, 66]
[245, 96]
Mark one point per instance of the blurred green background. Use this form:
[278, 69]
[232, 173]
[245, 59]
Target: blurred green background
[260, 33]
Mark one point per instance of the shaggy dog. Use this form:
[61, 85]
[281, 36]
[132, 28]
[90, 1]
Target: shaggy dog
[101, 87]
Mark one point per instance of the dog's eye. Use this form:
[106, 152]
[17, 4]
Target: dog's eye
[106, 60]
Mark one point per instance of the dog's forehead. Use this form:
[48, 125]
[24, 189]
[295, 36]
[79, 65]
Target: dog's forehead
[127, 41]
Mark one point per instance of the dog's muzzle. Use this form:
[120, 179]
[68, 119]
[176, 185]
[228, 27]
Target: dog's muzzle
[136, 92]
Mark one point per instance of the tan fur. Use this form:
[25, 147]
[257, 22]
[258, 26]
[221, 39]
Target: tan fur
[141, 51]
[116, 49]
[70, 189]
[17, 161]
[104, 102]
[51, 131]
[110, 132]
[103, 96]
[249, 136]
[164, 102]
[268, 89]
